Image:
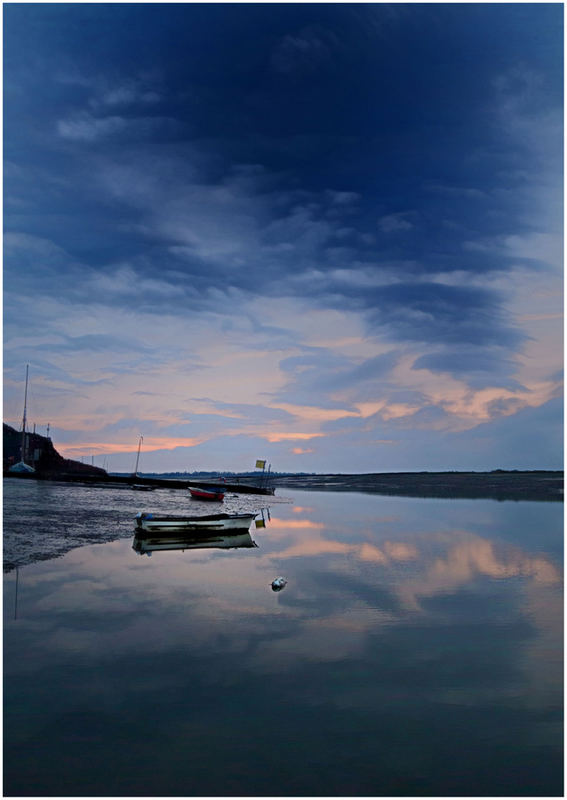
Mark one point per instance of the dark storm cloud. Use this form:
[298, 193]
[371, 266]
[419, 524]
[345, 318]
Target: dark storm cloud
[420, 311]
[433, 313]
[466, 361]
[243, 225]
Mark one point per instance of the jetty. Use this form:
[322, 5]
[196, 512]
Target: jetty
[169, 483]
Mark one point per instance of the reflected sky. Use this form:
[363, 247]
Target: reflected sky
[419, 639]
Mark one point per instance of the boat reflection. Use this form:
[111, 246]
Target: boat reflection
[147, 544]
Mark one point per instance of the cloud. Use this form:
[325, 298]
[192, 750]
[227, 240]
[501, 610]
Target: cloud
[102, 447]
[284, 524]
[90, 129]
[472, 556]
[306, 51]
[93, 342]
[433, 312]
[313, 412]
[27, 254]
[333, 387]
[465, 192]
[343, 198]
[235, 222]
[252, 412]
[245, 240]
[125, 282]
[316, 546]
[130, 93]
[467, 361]
[284, 437]
[393, 223]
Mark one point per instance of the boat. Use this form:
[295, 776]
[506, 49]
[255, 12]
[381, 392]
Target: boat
[206, 493]
[157, 523]
[147, 544]
[141, 487]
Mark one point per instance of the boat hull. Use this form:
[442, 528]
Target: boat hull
[206, 494]
[214, 522]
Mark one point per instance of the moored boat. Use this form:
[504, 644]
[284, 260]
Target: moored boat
[211, 522]
[202, 493]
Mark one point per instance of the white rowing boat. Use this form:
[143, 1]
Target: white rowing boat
[211, 522]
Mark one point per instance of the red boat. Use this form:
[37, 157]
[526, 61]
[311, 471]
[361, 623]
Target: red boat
[207, 494]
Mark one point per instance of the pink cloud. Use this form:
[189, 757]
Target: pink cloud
[281, 437]
[107, 448]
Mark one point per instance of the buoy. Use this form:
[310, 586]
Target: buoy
[278, 584]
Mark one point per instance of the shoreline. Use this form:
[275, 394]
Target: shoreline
[544, 485]
[535, 485]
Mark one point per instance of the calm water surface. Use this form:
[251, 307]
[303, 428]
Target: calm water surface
[416, 649]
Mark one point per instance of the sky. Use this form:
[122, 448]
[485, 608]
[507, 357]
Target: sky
[324, 235]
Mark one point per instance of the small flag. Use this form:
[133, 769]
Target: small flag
[260, 464]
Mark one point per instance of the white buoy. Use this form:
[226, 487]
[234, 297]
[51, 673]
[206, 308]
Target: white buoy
[278, 584]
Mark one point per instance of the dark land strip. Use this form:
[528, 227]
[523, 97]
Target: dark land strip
[497, 485]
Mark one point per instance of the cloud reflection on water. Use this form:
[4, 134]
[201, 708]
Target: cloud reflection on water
[399, 629]
[340, 579]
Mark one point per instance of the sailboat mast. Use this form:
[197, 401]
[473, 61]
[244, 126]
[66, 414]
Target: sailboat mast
[138, 456]
[25, 415]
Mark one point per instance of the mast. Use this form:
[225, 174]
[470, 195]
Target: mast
[24, 417]
[138, 456]
[21, 466]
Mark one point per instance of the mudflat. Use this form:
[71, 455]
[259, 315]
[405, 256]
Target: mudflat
[498, 485]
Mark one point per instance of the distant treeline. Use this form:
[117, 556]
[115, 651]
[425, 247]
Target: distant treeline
[258, 474]
[214, 474]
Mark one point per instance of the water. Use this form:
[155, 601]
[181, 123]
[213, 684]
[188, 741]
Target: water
[415, 650]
